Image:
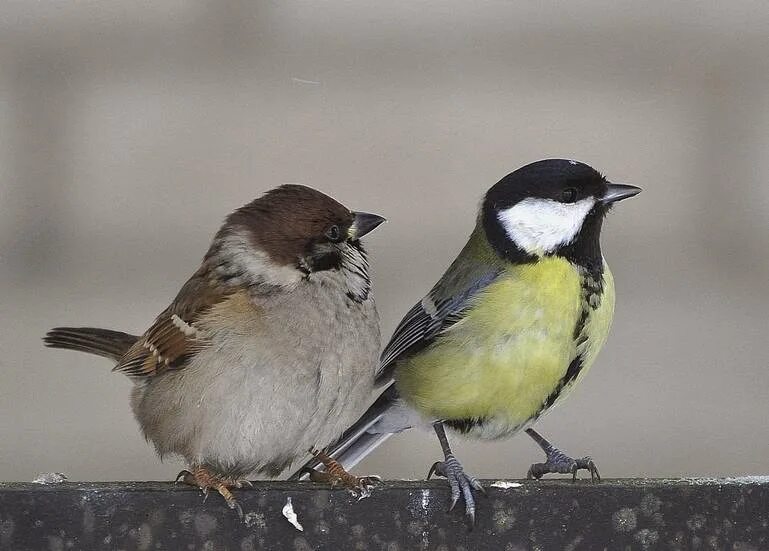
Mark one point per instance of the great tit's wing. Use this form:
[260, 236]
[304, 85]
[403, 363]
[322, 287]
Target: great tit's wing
[173, 338]
[473, 270]
[440, 309]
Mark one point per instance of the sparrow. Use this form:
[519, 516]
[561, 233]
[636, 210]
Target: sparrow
[269, 350]
[510, 328]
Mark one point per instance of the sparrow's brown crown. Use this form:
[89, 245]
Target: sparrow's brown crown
[285, 222]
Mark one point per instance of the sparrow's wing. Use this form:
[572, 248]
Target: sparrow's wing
[173, 338]
[472, 271]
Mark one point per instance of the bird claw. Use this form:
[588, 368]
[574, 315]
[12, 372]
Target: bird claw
[461, 484]
[559, 463]
[586, 463]
[186, 477]
[359, 487]
[205, 481]
[336, 475]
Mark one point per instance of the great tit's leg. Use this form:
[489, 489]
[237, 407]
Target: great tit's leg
[559, 462]
[205, 480]
[461, 483]
[335, 475]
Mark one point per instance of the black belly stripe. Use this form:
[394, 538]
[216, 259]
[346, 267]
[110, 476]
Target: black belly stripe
[590, 290]
[571, 374]
[464, 425]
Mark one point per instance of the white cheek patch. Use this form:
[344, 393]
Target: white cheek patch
[254, 264]
[539, 226]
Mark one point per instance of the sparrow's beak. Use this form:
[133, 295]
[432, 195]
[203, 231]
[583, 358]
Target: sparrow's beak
[364, 223]
[618, 192]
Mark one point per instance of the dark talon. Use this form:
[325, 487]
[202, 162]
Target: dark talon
[477, 485]
[461, 484]
[559, 462]
[186, 477]
[587, 464]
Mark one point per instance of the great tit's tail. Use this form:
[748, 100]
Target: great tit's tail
[380, 422]
[102, 342]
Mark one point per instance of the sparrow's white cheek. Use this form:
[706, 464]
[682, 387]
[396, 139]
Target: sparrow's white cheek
[237, 255]
[539, 226]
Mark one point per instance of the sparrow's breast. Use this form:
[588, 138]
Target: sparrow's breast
[277, 376]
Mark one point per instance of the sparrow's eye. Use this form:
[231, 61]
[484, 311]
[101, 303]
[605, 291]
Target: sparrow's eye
[569, 195]
[334, 233]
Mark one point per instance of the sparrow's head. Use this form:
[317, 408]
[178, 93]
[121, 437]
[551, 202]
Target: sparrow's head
[289, 233]
[550, 207]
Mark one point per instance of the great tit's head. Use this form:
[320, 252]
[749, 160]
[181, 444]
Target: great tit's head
[549, 207]
[289, 232]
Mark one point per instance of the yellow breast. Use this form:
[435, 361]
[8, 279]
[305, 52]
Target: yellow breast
[511, 350]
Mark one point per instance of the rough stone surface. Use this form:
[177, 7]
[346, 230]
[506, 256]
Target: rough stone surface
[730, 514]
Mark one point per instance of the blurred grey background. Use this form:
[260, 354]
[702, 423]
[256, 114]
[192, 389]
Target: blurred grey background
[129, 130]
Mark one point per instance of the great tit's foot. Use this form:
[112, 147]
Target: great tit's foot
[461, 483]
[559, 462]
[205, 480]
[336, 475]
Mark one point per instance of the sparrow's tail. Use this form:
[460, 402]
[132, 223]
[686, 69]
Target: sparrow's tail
[363, 437]
[102, 342]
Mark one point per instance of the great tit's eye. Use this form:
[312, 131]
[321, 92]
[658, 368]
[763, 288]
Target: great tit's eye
[334, 233]
[569, 195]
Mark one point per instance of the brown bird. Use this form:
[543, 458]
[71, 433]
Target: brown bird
[269, 350]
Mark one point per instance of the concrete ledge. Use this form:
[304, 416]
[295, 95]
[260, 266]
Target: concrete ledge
[398, 516]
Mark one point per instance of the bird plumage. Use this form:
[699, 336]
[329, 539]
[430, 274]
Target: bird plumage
[268, 350]
[512, 325]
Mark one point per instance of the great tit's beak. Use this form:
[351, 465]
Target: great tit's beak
[618, 192]
[364, 223]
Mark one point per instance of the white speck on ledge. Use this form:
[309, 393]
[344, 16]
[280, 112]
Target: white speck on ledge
[304, 81]
[50, 478]
[288, 512]
[505, 485]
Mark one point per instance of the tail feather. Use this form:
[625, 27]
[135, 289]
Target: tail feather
[357, 442]
[102, 342]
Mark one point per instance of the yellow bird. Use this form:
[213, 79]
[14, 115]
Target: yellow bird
[511, 327]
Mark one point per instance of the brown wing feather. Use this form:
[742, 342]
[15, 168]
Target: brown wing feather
[172, 339]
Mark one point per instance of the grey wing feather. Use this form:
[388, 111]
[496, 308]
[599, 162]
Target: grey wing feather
[471, 272]
[441, 308]
[418, 329]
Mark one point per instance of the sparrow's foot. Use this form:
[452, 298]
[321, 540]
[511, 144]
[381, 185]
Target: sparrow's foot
[336, 475]
[461, 483]
[559, 462]
[239, 483]
[203, 479]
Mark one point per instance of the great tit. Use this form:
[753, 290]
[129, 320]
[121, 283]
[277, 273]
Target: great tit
[269, 349]
[511, 327]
